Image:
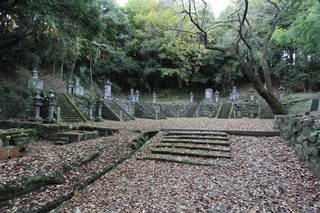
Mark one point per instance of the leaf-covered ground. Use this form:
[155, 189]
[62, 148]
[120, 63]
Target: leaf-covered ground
[264, 176]
[195, 123]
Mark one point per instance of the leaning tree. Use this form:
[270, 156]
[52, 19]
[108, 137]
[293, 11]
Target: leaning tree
[247, 33]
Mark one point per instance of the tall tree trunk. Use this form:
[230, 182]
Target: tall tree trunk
[272, 100]
[61, 75]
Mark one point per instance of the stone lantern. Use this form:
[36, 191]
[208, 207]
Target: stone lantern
[191, 98]
[37, 101]
[154, 98]
[251, 95]
[52, 102]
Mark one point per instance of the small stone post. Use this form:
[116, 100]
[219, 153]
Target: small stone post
[191, 97]
[157, 112]
[121, 115]
[107, 90]
[37, 101]
[217, 96]
[52, 103]
[100, 105]
[91, 106]
[58, 111]
[154, 98]
[281, 93]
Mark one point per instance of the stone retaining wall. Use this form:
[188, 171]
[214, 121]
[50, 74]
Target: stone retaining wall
[302, 133]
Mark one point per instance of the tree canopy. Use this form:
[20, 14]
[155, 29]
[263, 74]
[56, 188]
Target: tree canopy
[151, 44]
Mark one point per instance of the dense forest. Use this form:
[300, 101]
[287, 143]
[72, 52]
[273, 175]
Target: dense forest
[149, 44]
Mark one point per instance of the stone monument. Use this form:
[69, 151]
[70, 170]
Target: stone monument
[208, 95]
[234, 95]
[107, 90]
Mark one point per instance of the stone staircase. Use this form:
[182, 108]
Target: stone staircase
[113, 111]
[144, 110]
[225, 111]
[192, 108]
[68, 113]
[196, 147]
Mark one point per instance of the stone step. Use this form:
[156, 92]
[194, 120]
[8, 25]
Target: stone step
[222, 134]
[221, 143]
[184, 161]
[77, 136]
[195, 137]
[190, 154]
[192, 147]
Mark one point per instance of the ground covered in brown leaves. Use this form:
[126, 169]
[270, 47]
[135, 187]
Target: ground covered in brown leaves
[192, 123]
[263, 176]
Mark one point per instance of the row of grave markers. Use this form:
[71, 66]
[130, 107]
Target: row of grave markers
[210, 97]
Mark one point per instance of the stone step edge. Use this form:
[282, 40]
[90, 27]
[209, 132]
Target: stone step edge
[222, 143]
[189, 154]
[233, 132]
[184, 161]
[192, 147]
[196, 137]
[222, 134]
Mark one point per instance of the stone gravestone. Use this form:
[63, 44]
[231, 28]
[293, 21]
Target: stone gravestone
[107, 90]
[35, 81]
[234, 95]
[208, 95]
